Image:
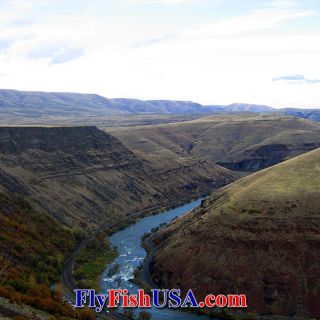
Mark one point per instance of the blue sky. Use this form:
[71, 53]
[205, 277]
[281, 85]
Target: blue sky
[209, 51]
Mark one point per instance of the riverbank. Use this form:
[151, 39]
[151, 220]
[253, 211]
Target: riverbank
[132, 254]
[142, 276]
[88, 261]
[92, 261]
[121, 271]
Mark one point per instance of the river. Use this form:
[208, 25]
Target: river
[131, 256]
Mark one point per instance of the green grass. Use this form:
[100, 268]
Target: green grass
[92, 261]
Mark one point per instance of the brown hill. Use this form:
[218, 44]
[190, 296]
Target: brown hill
[83, 176]
[19, 106]
[239, 142]
[259, 235]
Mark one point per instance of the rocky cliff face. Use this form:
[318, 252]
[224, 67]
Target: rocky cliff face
[260, 157]
[258, 236]
[84, 176]
[69, 149]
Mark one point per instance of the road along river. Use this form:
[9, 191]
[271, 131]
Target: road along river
[131, 256]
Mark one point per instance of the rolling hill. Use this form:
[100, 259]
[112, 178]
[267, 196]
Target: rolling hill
[259, 235]
[311, 114]
[37, 103]
[246, 107]
[58, 108]
[247, 142]
[25, 105]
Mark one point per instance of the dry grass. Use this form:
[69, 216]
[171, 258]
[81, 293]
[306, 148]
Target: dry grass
[258, 235]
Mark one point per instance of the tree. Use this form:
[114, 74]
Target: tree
[4, 266]
[58, 292]
[86, 314]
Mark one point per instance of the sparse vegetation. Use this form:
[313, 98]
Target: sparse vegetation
[258, 235]
[245, 142]
[92, 261]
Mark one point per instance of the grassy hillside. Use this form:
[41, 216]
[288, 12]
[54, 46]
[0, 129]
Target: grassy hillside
[240, 142]
[83, 176]
[259, 235]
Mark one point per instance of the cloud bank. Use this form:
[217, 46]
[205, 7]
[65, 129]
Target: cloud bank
[210, 51]
[294, 79]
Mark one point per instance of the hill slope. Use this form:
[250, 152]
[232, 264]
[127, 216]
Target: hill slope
[52, 108]
[18, 105]
[36, 104]
[84, 176]
[259, 235]
[33, 247]
[239, 142]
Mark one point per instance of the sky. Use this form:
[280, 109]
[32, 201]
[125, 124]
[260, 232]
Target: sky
[207, 51]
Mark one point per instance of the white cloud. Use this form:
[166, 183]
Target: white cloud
[173, 2]
[56, 52]
[224, 61]
[258, 20]
[296, 79]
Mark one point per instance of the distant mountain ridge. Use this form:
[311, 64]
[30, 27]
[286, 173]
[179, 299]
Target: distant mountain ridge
[34, 104]
[311, 114]
[245, 107]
